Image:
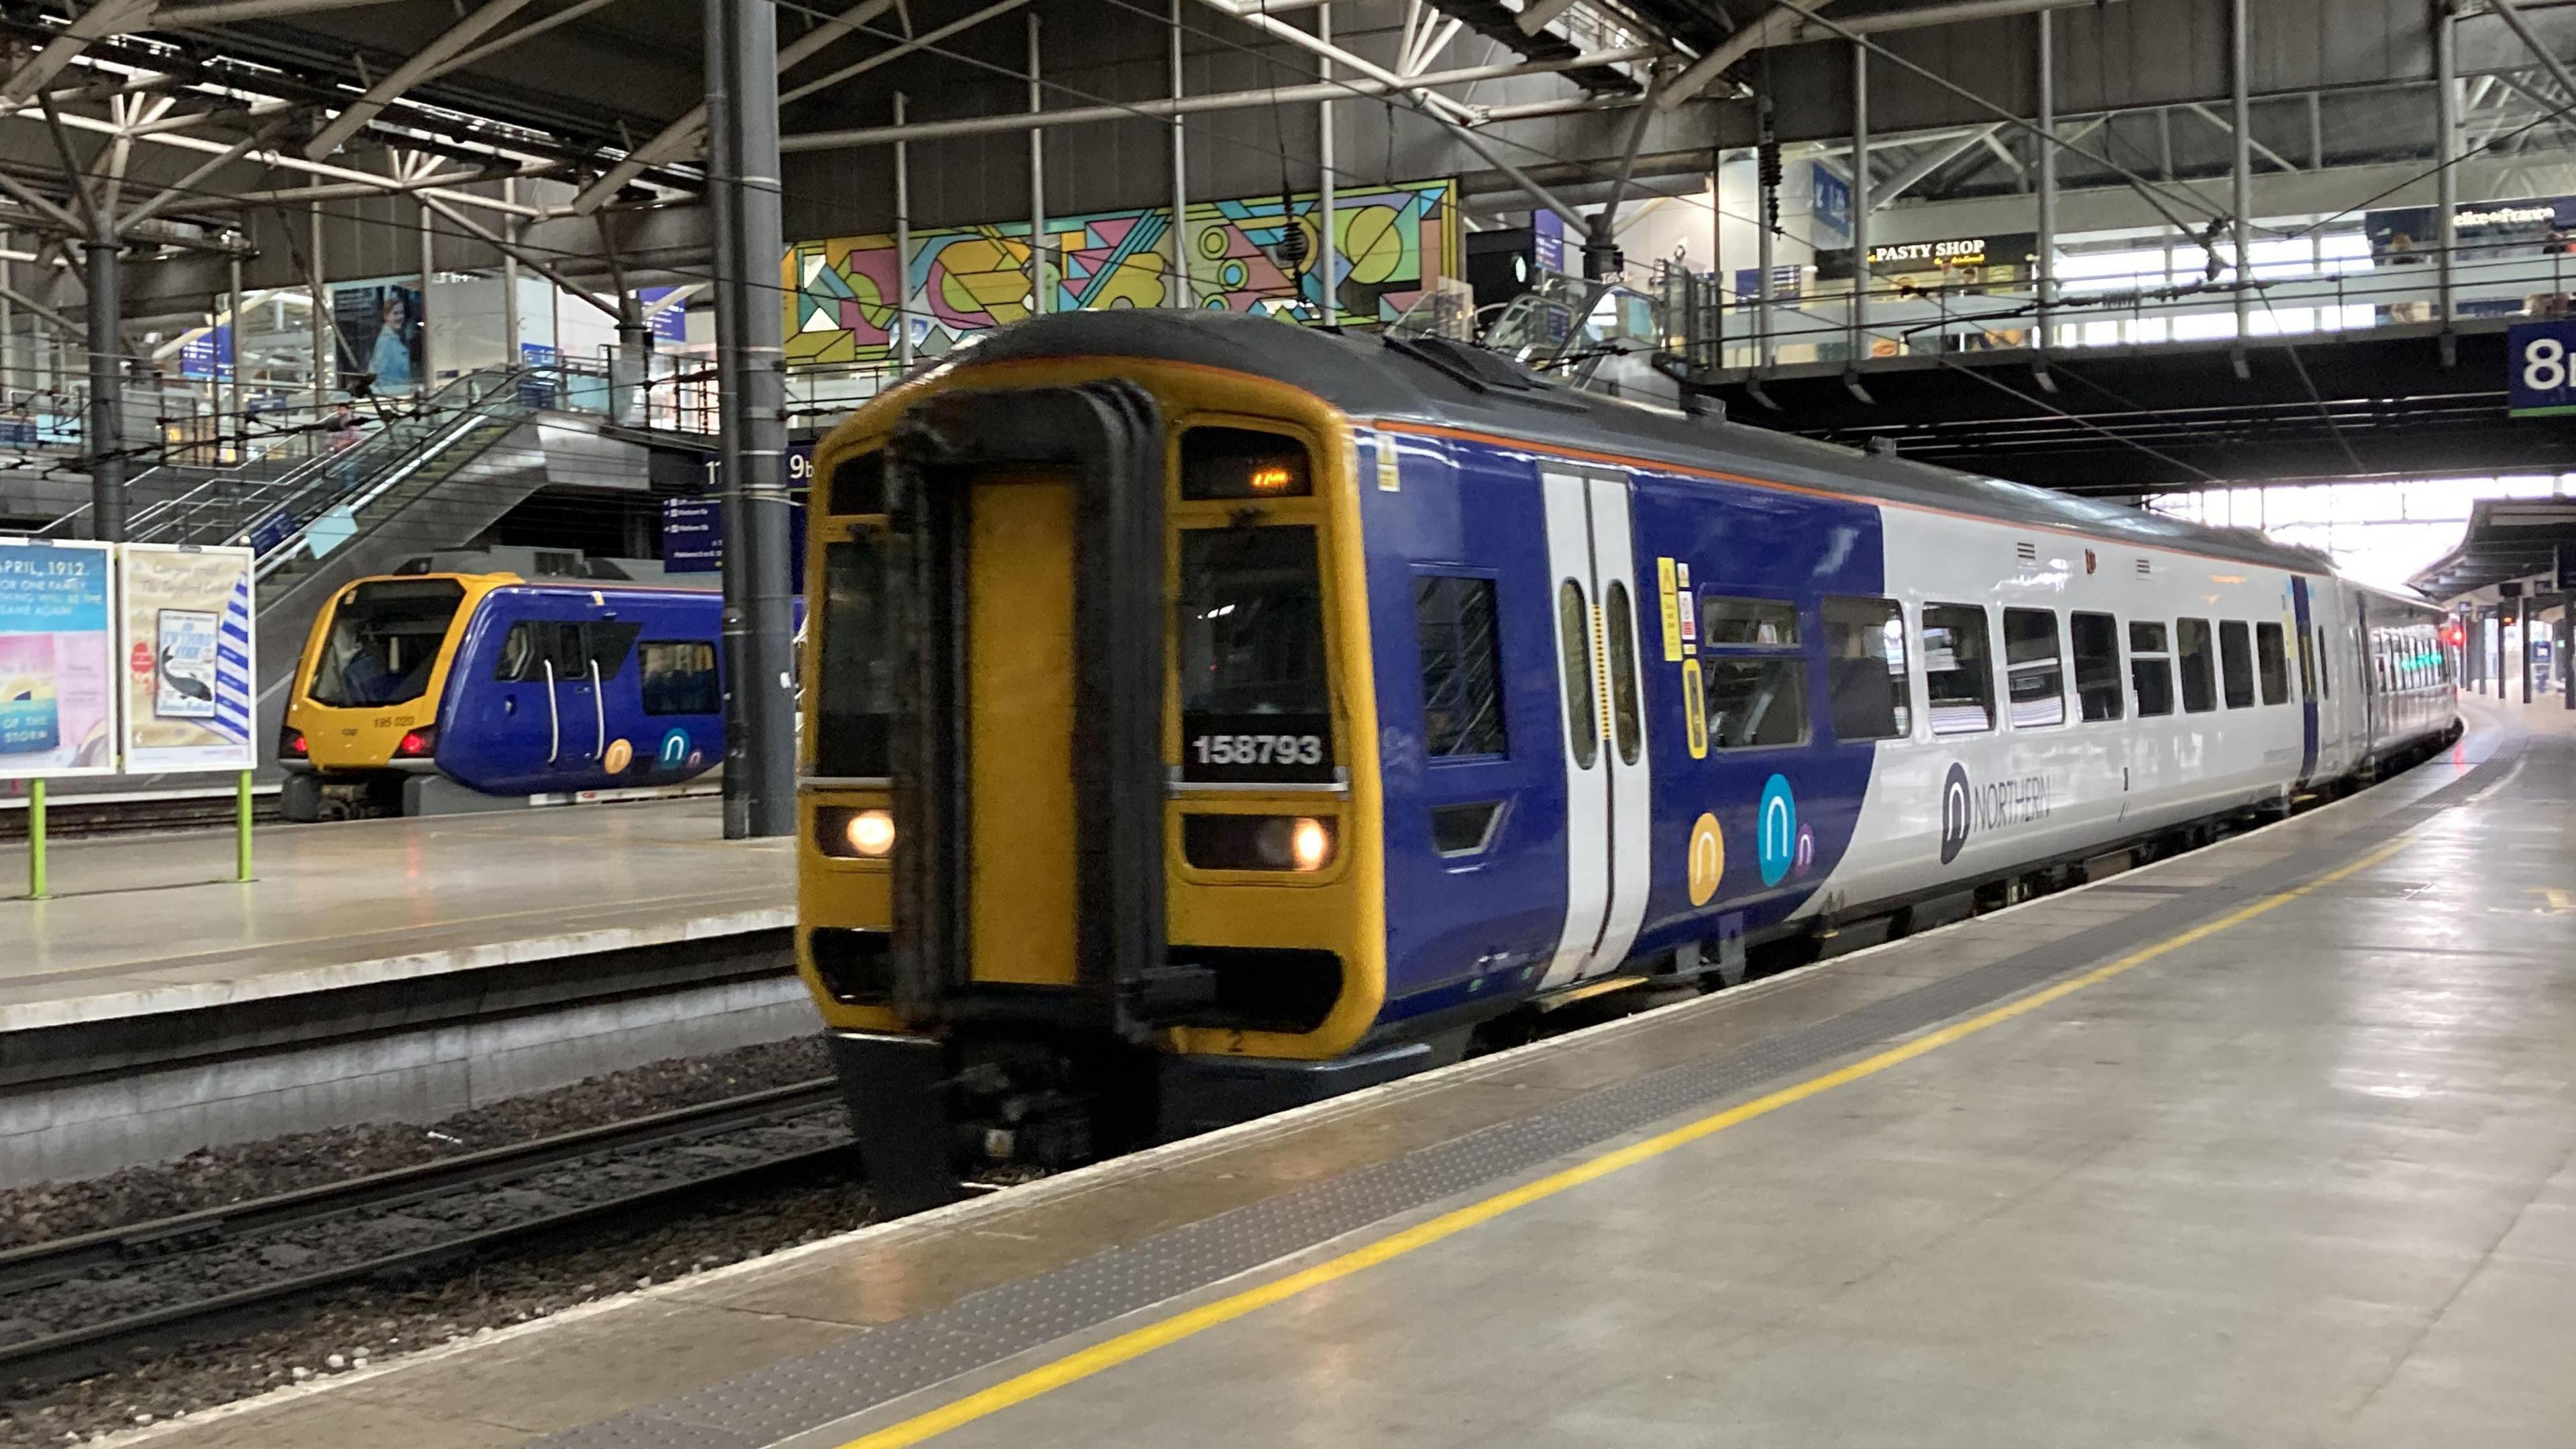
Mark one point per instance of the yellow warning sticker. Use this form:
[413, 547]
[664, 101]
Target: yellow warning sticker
[1707, 859]
[1672, 611]
[1694, 710]
[1387, 479]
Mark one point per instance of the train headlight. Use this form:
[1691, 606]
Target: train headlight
[1310, 845]
[849, 834]
[1298, 843]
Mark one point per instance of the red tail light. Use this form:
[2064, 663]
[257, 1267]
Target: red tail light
[417, 744]
[291, 745]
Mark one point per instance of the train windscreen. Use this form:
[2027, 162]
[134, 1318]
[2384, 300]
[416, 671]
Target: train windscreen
[383, 642]
[1255, 699]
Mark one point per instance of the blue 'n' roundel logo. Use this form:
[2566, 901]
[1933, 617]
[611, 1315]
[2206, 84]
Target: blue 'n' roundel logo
[1775, 831]
[675, 750]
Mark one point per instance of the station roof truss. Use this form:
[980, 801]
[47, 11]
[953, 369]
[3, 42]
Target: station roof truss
[159, 121]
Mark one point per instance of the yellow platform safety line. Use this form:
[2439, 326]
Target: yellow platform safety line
[1136, 1343]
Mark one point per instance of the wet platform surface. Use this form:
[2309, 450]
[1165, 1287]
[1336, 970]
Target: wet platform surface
[147, 924]
[2271, 1143]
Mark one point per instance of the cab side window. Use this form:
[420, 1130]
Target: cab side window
[1462, 666]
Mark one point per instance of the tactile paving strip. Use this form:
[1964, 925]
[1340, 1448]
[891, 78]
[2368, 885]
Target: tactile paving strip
[878, 1365]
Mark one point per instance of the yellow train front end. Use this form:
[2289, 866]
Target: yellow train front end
[1090, 845]
[362, 709]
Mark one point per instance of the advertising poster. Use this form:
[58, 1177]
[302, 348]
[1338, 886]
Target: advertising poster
[57, 707]
[184, 632]
[379, 327]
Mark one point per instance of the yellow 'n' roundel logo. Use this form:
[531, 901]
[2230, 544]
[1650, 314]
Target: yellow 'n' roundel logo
[1707, 859]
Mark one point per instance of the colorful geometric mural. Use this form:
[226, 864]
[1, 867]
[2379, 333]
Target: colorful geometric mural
[1396, 243]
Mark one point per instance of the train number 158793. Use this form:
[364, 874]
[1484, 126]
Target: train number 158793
[1258, 749]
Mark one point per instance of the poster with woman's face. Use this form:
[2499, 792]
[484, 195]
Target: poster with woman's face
[380, 330]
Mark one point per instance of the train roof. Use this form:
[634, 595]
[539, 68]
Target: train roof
[1449, 385]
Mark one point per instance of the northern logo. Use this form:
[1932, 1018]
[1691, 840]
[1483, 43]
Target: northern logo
[1958, 809]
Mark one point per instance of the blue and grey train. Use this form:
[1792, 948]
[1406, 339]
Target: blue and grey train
[1207, 715]
[505, 684]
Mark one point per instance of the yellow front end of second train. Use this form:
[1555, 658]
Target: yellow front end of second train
[362, 709]
[1047, 909]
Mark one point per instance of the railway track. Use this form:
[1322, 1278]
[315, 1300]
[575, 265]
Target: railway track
[81, 1304]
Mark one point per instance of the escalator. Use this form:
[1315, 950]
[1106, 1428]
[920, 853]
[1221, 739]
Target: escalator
[432, 478]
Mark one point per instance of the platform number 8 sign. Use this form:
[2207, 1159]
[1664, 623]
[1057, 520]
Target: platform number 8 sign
[2540, 366]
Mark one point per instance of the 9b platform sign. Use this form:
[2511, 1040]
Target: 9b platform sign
[2540, 369]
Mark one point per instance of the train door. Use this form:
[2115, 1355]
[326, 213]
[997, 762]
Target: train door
[1591, 561]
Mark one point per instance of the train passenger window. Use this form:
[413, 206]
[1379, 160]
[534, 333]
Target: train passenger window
[854, 703]
[2307, 672]
[1758, 623]
[2271, 656]
[1756, 703]
[1226, 463]
[2325, 667]
[1756, 685]
[2033, 671]
[1958, 669]
[2196, 658]
[2236, 663]
[2096, 641]
[1574, 643]
[1865, 682]
[2151, 668]
[678, 676]
[1462, 666]
[1620, 624]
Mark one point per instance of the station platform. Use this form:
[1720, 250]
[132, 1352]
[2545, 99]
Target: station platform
[2274, 1142]
[157, 923]
[150, 959]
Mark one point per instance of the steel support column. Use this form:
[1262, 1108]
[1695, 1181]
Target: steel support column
[104, 437]
[1324, 251]
[2446, 206]
[317, 317]
[2046, 289]
[1180, 179]
[2240, 64]
[760, 765]
[902, 247]
[228, 419]
[512, 343]
[420, 382]
[1040, 302]
[1860, 205]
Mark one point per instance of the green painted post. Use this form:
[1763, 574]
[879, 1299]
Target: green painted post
[36, 840]
[241, 836]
